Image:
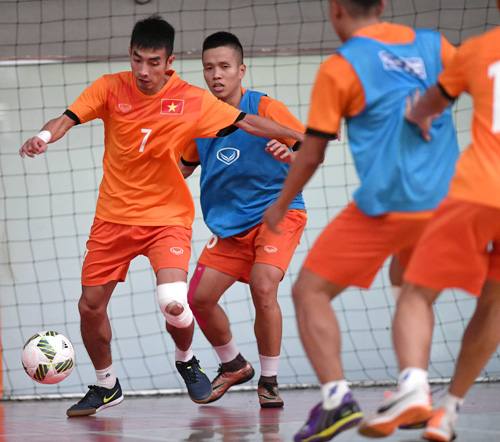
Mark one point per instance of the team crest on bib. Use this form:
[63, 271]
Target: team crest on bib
[177, 250]
[228, 155]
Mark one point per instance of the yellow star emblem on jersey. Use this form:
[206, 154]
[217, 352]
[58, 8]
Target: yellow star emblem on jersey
[172, 106]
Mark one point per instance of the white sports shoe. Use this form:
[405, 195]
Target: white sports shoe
[440, 426]
[402, 408]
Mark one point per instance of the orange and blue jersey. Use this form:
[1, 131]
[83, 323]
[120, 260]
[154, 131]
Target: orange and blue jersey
[367, 82]
[239, 179]
[144, 136]
[476, 70]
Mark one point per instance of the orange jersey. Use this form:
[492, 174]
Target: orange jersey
[144, 137]
[269, 108]
[339, 92]
[476, 70]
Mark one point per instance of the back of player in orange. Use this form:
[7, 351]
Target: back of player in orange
[471, 212]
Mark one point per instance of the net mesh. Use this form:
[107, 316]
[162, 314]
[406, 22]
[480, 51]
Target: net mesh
[49, 52]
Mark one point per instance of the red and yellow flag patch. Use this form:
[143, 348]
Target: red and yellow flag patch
[172, 106]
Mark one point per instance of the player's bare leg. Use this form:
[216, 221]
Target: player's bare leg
[172, 296]
[96, 335]
[410, 404]
[183, 337]
[318, 324]
[320, 336]
[480, 340]
[413, 326]
[94, 323]
[264, 282]
[214, 323]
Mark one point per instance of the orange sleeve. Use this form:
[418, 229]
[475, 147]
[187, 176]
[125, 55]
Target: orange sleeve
[91, 103]
[448, 52]
[337, 93]
[215, 116]
[277, 111]
[190, 153]
[453, 78]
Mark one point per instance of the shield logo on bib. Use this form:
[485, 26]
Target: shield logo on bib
[228, 155]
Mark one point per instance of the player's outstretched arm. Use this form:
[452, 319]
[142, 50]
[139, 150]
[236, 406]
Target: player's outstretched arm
[264, 127]
[421, 111]
[309, 157]
[52, 131]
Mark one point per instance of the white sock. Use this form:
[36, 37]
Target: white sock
[106, 378]
[451, 403]
[333, 393]
[183, 356]
[269, 365]
[227, 352]
[413, 377]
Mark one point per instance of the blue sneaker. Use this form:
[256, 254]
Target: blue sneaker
[197, 383]
[97, 399]
[324, 425]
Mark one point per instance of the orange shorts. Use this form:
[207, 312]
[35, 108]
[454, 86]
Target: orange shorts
[237, 254]
[111, 247]
[354, 246]
[460, 248]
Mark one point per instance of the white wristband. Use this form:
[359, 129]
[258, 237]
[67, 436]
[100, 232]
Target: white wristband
[45, 135]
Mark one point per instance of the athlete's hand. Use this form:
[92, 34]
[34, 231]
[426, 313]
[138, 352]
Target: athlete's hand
[34, 146]
[273, 216]
[280, 151]
[423, 123]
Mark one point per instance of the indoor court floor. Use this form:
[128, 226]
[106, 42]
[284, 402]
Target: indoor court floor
[236, 417]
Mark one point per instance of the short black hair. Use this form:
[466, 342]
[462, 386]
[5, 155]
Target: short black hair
[360, 7]
[153, 33]
[223, 38]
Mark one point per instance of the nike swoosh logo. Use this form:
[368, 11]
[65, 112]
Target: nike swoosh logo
[220, 385]
[392, 404]
[107, 399]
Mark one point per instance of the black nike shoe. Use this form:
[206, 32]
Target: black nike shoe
[197, 383]
[97, 399]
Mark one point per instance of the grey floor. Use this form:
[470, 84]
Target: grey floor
[236, 417]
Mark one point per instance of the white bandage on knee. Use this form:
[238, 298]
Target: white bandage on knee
[175, 292]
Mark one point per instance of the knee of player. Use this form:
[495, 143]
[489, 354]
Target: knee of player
[174, 308]
[172, 300]
[87, 308]
[264, 291]
[202, 304]
[265, 300]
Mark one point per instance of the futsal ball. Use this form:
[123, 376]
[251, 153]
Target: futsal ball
[48, 357]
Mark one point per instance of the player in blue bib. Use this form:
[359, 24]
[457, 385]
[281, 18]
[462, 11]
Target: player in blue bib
[240, 178]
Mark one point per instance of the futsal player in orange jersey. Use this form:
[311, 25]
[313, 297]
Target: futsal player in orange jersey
[461, 246]
[144, 205]
[239, 180]
[402, 179]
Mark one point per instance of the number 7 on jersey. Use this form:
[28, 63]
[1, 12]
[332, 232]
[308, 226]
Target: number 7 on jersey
[145, 139]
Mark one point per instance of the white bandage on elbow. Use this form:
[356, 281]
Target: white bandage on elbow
[175, 292]
[45, 135]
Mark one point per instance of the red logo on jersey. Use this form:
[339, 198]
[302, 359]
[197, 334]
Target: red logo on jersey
[172, 106]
